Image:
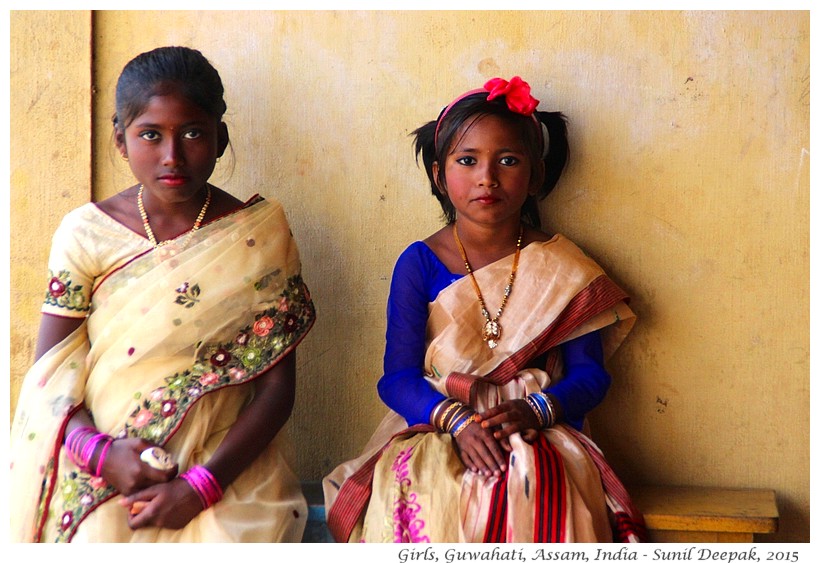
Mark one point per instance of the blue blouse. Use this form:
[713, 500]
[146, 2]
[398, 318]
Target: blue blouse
[418, 277]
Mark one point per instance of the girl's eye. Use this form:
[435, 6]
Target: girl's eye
[466, 160]
[149, 135]
[509, 161]
[192, 134]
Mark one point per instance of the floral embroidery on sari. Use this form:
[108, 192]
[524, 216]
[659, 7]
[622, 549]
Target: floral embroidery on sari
[188, 295]
[248, 354]
[64, 294]
[407, 526]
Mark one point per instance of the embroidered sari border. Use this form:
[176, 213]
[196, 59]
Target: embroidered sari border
[80, 513]
[356, 490]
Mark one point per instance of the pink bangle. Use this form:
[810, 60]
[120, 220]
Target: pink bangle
[74, 440]
[204, 484]
[89, 448]
[101, 459]
[81, 443]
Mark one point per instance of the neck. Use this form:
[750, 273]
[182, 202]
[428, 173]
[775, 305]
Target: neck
[181, 206]
[495, 238]
[485, 245]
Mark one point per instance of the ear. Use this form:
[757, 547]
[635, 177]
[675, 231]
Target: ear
[222, 139]
[119, 141]
[434, 168]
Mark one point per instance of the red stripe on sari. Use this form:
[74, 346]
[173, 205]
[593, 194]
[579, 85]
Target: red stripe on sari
[628, 524]
[550, 494]
[496, 531]
[343, 516]
[601, 294]
[354, 494]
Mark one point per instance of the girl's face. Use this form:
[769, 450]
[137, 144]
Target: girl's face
[487, 172]
[172, 147]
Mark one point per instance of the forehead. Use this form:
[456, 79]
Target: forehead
[488, 131]
[171, 109]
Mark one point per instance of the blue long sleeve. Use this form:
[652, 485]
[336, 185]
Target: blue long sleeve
[585, 382]
[417, 279]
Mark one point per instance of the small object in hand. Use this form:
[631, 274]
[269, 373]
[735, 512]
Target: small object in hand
[157, 458]
[137, 507]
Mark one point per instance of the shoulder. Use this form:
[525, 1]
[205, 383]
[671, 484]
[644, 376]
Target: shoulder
[122, 206]
[537, 235]
[561, 250]
[80, 220]
[416, 257]
[223, 203]
[416, 267]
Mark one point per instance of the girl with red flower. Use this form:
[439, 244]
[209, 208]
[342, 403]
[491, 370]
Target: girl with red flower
[494, 353]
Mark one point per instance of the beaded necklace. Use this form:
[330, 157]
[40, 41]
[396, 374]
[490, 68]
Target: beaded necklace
[147, 226]
[492, 326]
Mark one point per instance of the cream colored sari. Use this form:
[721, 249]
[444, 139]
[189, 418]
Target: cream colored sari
[173, 341]
[409, 485]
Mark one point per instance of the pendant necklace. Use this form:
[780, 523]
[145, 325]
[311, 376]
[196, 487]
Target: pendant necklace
[197, 223]
[492, 326]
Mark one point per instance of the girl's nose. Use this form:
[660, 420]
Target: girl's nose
[488, 175]
[173, 153]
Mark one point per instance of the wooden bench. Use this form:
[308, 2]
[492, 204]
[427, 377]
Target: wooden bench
[672, 514]
[705, 514]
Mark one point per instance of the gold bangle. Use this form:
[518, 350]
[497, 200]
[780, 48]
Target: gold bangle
[457, 418]
[440, 424]
[536, 411]
[551, 412]
[465, 424]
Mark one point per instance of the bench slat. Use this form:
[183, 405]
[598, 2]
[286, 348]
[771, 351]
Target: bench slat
[707, 509]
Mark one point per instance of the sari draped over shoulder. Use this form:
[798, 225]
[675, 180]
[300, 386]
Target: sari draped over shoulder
[173, 340]
[409, 484]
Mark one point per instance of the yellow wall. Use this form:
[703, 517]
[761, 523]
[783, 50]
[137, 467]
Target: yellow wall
[689, 181]
[50, 155]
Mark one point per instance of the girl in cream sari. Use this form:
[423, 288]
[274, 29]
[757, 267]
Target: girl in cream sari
[186, 345]
[485, 441]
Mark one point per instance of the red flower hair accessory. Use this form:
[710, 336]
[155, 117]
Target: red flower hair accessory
[516, 92]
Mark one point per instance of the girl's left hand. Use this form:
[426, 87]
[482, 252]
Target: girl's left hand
[516, 416]
[167, 505]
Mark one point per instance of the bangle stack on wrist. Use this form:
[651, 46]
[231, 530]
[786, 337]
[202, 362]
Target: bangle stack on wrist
[80, 445]
[204, 484]
[543, 408]
[456, 416]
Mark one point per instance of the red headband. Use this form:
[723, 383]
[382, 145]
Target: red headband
[516, 93]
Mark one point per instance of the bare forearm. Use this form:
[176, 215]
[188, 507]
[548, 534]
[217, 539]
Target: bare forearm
[258, 423]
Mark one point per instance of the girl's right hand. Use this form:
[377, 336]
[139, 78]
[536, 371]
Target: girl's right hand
[480, 451]
[123, 469]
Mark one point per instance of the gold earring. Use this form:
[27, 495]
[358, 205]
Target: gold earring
[124, 156]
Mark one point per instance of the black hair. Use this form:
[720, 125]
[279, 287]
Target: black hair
[166, 69]
[476, 106]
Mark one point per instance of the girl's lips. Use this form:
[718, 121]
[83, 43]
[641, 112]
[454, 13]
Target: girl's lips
[173, 180]
[487, 199]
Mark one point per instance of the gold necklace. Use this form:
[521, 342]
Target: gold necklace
[197, 223]
[492, 328]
